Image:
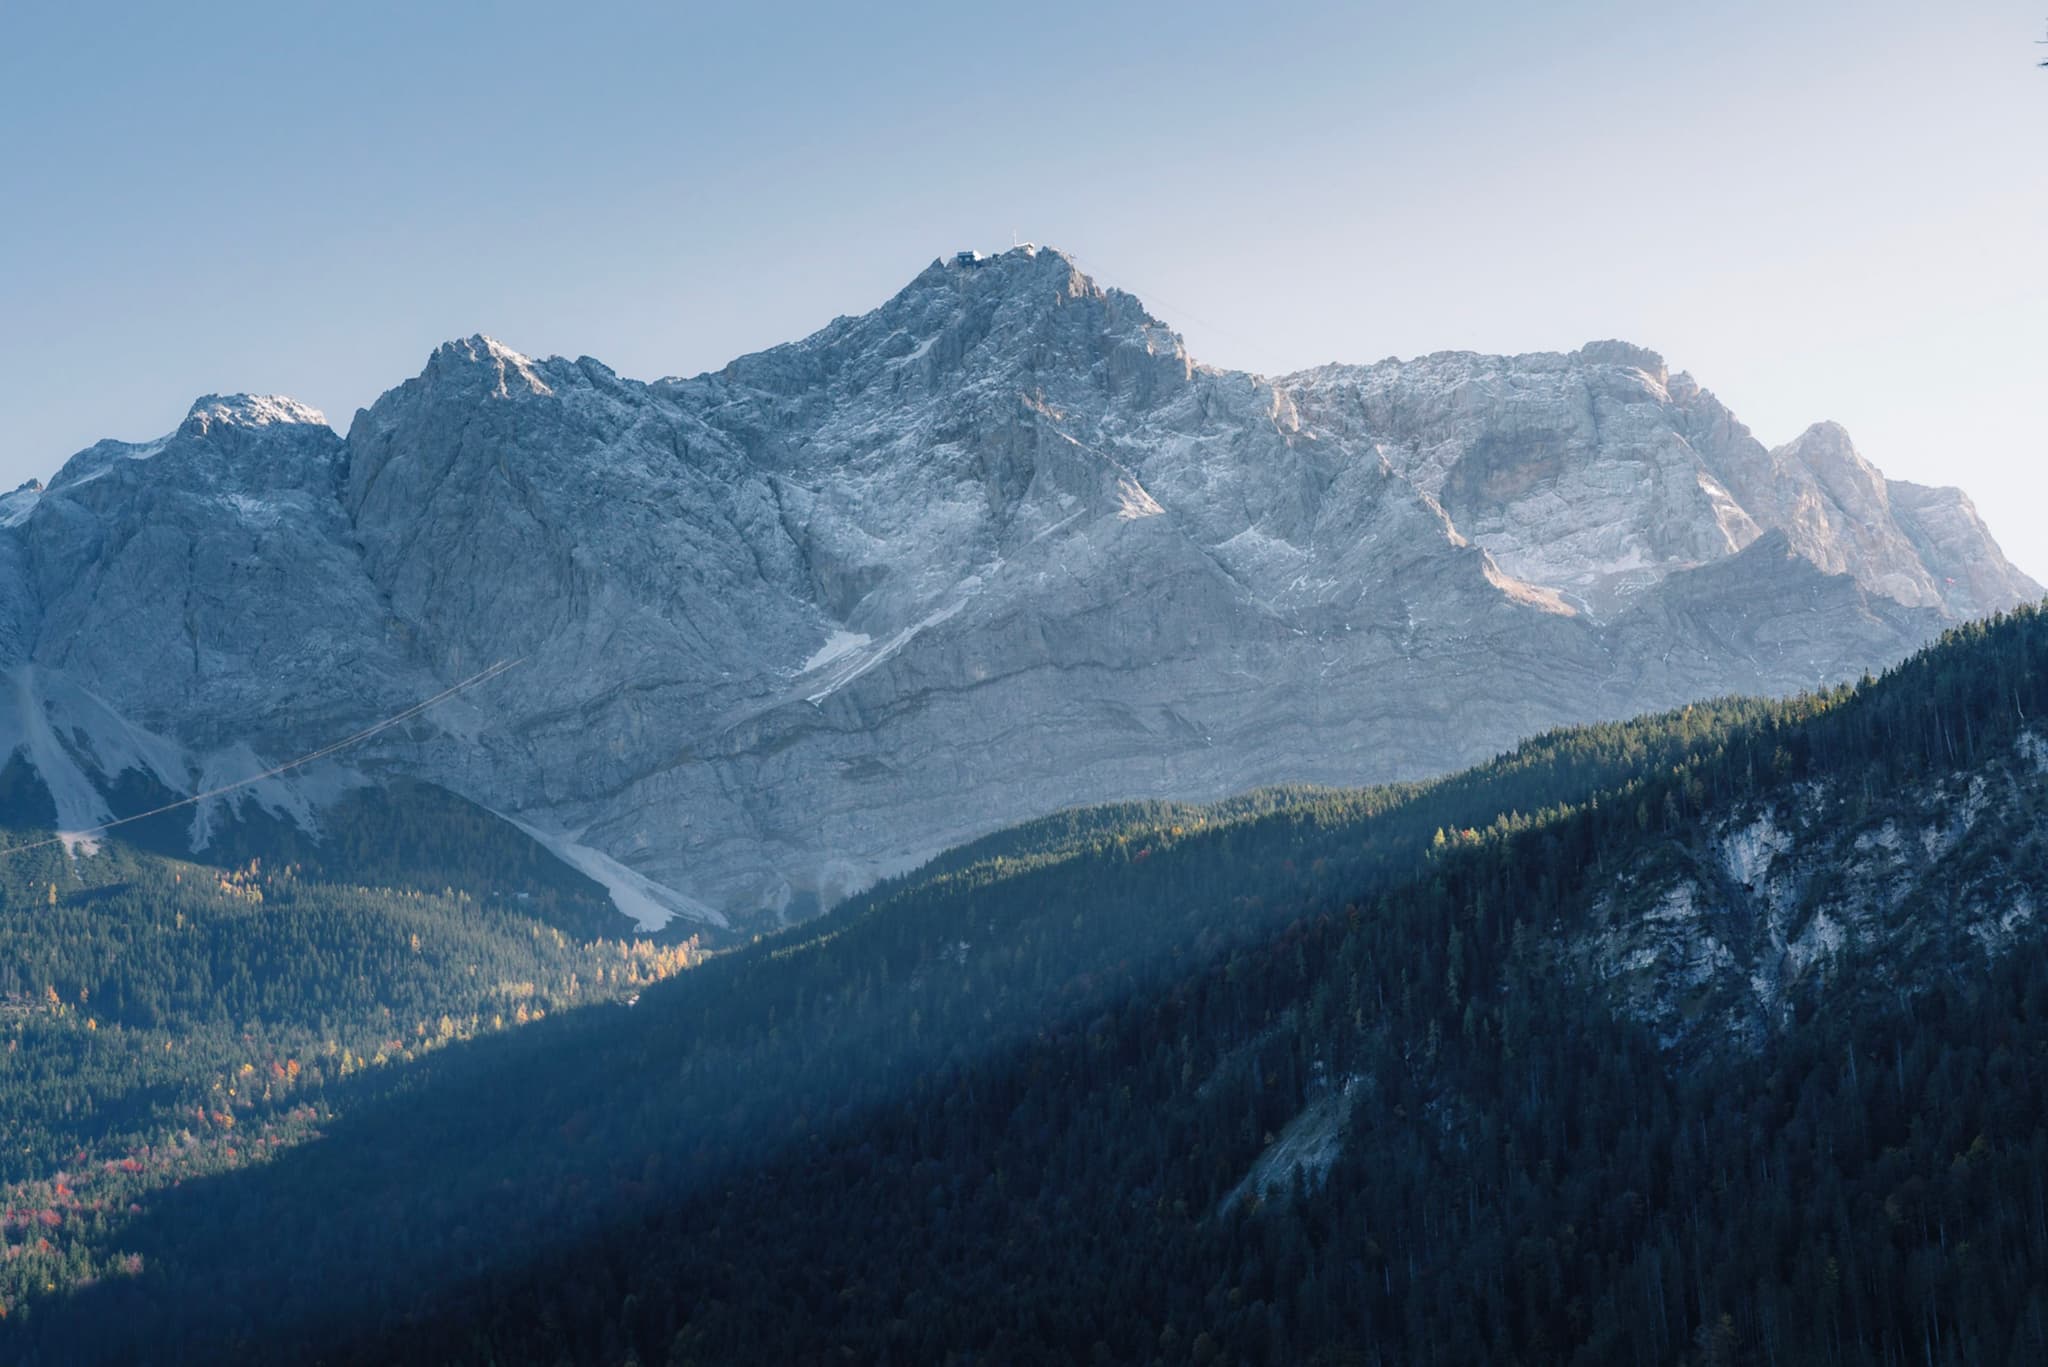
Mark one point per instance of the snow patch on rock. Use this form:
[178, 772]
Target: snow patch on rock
[245, 410]
[1198, 580]
[652, 905]
[837, 644]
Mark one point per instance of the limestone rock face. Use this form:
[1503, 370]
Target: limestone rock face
[998, 547]
[206, 583]
[1600, 473]
[1711, 949]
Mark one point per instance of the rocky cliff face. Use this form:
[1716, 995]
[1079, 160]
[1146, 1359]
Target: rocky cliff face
[997, 547]
[1713, 947]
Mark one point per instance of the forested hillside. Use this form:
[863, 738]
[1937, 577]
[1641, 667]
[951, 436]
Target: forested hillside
[167, 1019]
[1609, 1051]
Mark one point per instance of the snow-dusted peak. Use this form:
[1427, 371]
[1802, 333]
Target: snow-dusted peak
[1043, 276]
[480, 347]
[505, 371]
[1600, 471]
[1028, 279]
[1029, 259]
[247, 410]
[993, 547]
[1443, 370]
[1011, 323]
[245, 442]
[15, 507]
[95, 460]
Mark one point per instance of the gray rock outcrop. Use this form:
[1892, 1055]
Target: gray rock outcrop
[999, 546]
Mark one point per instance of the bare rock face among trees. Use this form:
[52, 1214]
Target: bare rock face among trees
[998, 547]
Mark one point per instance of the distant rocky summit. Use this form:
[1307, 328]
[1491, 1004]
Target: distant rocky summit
[999, 546]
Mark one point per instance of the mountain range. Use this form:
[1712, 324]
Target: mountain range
[998, 547]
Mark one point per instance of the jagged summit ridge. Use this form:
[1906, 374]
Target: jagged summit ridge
[1028, 312]
[1599, 471]
[996, 547]
[248, 410]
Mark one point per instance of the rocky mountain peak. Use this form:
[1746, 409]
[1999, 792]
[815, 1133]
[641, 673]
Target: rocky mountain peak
[1826, 446]
[1038, 290]
[996, 334]
[478, 361]
[994, 547]
[1045, 312]
[226, 440]
[212, 411]
[1027, 268]
[1627, 354]
[1854, 483]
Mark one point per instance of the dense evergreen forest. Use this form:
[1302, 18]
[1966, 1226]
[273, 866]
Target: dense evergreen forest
[1005, 1109]
[167, 1019]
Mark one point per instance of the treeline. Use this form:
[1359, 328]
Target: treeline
[992, 1111]
[1527, 1178]
[400, 833]
[163, 1019]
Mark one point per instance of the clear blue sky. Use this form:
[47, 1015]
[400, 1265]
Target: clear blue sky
[1823, 210]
